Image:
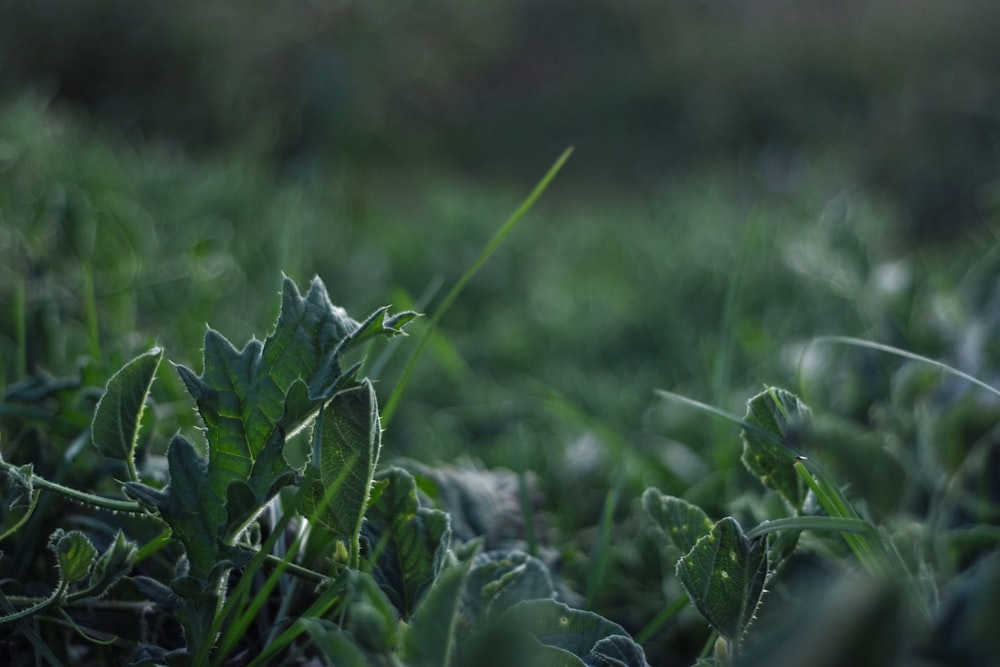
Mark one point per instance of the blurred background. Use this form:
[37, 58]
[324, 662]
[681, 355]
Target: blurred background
[746, 176]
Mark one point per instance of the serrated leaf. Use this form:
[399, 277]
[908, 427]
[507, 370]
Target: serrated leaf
[430, 639]
[682, 523]
[724, 575]
[410, 541]
[115, 429]
[74, 553]
[774, 411]
[188, 505]
[348, 438]
[328, 376]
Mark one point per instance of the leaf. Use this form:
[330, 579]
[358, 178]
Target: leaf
[409, 541]
[115, 430]
[619, 651]
[500, 579]
[188, 505]
[74, 553]
[578, 632]
[430, 639]
[371, 618]
[112, 565]
[724, 575]
[335, 645]
[347, 434]
[775, 412]
[680, 522]
[19, 501]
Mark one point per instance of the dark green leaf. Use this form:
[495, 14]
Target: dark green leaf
[766, 453]
[113, 564]
[430, 639]
[410, 541]
[116, 423]
[556, 625]
[336, 646]
[500, 579]
[724, 575]
[682, 523]
[371, 618]
[189, 505]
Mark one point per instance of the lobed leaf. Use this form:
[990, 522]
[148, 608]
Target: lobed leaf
[724, 575]
[188, 504]
[766, 454]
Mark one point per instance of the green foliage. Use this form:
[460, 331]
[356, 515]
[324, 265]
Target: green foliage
[400, 590]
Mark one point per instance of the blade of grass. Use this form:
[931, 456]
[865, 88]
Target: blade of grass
[21, 328]
[28, 630]
[728, 416]
[90, 314]
[889, 349]
[390, 407]
[237, 629]
[661, 619]
[600, 555]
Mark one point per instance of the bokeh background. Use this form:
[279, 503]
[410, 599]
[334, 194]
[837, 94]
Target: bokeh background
[746, 177]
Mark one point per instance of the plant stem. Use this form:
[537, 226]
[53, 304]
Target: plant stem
[110, 504]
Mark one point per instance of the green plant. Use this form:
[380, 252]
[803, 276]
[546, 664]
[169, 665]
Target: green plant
[292, 435]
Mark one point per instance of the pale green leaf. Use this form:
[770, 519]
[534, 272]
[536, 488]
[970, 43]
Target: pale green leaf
[74, 553]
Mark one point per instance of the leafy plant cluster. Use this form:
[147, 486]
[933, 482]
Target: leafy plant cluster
[285, 506]
[280, 536]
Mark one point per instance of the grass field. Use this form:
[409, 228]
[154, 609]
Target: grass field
[540, 383]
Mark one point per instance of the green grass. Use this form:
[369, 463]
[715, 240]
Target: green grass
[545, 360]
